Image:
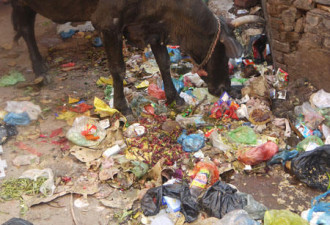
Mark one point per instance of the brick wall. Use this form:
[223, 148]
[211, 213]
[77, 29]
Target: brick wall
[299, 31]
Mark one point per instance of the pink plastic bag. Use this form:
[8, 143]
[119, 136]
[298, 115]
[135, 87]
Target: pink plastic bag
[258, 154]
[156, 92]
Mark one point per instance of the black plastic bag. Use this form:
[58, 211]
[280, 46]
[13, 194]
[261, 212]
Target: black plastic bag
[6, 131]
[312, 167]
[17, 221]
[152, 200]
[220, 199]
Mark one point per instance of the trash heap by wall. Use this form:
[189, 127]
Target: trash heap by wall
[299, 31]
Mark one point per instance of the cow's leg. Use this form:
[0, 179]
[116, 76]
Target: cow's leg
[23, 18]
[113, 44]
[163, 61]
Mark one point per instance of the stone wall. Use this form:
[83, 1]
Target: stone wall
[299, 31]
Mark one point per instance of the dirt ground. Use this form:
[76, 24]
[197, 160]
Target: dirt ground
[277, 189]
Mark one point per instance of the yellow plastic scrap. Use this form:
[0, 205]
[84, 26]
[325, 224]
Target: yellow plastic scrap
[101, 106]
[3, 113]
[283, 217]
[73, 100]
[109, 81]
[143, 84]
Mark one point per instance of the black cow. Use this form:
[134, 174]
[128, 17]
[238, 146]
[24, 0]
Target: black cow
[188, 23]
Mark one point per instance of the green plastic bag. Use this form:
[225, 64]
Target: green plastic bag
[309, 142]
[283, 217]
[244, 135]
[11, 79]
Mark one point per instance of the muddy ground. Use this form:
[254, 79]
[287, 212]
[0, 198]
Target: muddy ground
[276, 189]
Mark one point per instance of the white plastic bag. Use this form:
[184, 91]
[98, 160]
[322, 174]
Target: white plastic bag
[48, 187]
[321, 99]
[89, 126]
[19, 107]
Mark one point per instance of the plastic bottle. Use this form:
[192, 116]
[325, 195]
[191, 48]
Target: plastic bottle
[204, 175]
[199, 183]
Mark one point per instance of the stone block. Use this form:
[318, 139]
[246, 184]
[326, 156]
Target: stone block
[309, 40]
[276, 34]
[289, 59]
[313, 20]
[287, 27]
[275, 23]
[246, 3]
[276, 10]
[290, 37]
[304, 4]
[281, 46]
[277, 56]
[299, 27]
[326, 42]
[280, 65]
[289, 16]
[324, 2]
[280, 2]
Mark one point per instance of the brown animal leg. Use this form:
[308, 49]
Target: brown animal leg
[163, 61]
[23, 19]
[113, 47]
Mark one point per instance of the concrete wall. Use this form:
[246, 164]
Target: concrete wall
[299, 31]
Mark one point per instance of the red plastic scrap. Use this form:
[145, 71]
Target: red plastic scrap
[156, 92]
[27, 148]
[67, 65]
[90, 132]
[56, 132]
[258, 154]
[81, 108]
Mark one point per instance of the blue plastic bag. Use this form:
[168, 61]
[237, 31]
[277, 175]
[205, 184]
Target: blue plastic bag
[175, 54]
[318, 206]
[17, 118]
[97, 42]
[191, 142]
[283, 157]
[66, 35]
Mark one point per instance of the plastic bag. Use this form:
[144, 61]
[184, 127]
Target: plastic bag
[7, 131]
[11, 79]
[255, 209]
[312, 118]
[258, 154]
[196, 120]
[282, 157]
[244, 135]
[48, 187]
[17, 118]
[19, 107]
[204, 175]
[152, 200]
[17, 221]
[86, 131]
[200, 94]
[237, 217]
[220, 199]
[321, 99]
[283, 217]
[178, 84]
[320, 211]
[217, 142]
[156, 92]
[309, 143]
[194, 78]
[312, 167]
[175, 54]
[191, 142]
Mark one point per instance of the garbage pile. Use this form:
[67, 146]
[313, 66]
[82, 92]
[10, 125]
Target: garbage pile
[174, 161]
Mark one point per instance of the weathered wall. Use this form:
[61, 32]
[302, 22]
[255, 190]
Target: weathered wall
[299, 31]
